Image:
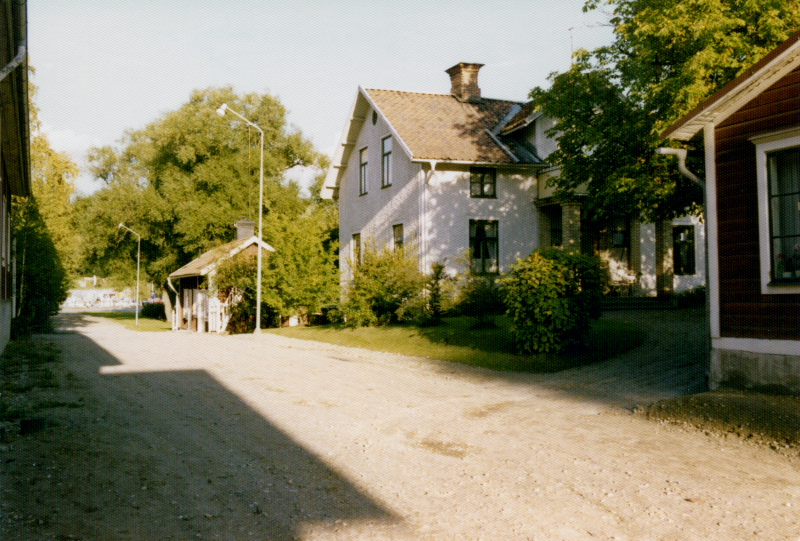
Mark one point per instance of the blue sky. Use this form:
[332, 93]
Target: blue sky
[103, 67]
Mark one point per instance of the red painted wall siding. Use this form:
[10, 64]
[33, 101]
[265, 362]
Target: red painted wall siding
[744, 311]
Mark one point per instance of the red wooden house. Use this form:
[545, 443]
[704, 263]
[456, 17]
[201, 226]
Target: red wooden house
[751, 130]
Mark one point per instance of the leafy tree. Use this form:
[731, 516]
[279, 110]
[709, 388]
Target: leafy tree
[667, 56]
[41, 279]
[185, 179]
[53, 186]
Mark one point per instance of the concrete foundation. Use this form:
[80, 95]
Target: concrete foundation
[755, 371]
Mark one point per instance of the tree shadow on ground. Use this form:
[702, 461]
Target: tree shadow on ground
[170, 455]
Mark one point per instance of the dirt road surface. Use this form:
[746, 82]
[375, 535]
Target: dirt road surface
[185, 436]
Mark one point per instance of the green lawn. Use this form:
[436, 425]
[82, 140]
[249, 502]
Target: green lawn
[456, 342]
[128, 319]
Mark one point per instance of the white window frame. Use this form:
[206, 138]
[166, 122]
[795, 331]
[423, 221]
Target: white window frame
[764, 144]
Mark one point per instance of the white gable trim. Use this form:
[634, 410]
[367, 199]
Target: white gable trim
[348, 140]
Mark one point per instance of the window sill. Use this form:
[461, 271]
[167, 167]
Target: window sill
[784, 282]
[386, 186]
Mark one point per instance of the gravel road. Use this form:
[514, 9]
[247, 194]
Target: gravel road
[186, 436]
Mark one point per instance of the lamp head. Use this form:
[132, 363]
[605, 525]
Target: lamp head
[222, 109]
[120, 226]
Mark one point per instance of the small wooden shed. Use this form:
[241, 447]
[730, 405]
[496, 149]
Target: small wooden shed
[200, 306]
[751, 130]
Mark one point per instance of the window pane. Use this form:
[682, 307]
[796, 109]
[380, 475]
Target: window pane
[784, 209]
[683, 247]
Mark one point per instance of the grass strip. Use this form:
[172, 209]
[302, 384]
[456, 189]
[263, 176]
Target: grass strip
[455, 341]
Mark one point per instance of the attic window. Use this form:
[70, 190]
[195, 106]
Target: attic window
[374, 117]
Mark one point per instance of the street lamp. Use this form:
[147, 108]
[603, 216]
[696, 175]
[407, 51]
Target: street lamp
[138, 265]
[221, 112]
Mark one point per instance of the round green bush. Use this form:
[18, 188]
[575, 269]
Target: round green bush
[551, 298]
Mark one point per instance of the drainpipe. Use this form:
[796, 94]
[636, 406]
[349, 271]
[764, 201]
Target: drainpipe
[423, 214]
[680, 153]
[15, 62]
[177, 309]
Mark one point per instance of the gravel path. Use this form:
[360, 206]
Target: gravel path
[187, 436]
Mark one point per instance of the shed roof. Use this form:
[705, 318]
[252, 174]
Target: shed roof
[212, 258]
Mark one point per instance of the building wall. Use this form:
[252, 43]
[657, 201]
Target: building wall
[373, 214]
[450, 208]
[744, 311]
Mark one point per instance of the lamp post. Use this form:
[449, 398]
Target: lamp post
[221, 112]
[138, 265]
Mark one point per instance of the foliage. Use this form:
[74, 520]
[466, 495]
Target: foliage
[693, 298]
[480, 298]
[433, 301]
[183, 180]
[383, 281]
[153, 310]
[53, 185]
[613, 102]
[552, 296]
[41, 279]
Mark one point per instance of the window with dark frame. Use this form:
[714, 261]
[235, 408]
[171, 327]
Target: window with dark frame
[356, 248]
[483, 182]
[483, 246]
[397, 236]
[683, 250]
[386, 161]
[783, 179]
[362, 171]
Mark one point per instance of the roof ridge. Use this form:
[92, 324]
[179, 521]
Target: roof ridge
[437, 94]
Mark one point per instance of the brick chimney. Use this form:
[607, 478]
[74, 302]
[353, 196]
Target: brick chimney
[245, 229]
[464, 81]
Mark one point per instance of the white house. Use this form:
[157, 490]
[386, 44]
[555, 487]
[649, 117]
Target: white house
[457, 174]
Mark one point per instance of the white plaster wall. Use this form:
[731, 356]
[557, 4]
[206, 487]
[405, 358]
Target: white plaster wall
[372, 215]
[450, 208]
[647, 282]
[685, 283]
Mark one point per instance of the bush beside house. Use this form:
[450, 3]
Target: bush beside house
[552, 297]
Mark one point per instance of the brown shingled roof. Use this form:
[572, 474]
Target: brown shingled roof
[200, 266]
[440, 127]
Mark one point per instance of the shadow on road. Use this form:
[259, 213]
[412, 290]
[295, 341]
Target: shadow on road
[171, 455]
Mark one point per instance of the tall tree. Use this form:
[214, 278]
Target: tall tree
[53, 186]
[667, 56]
[185, 179]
